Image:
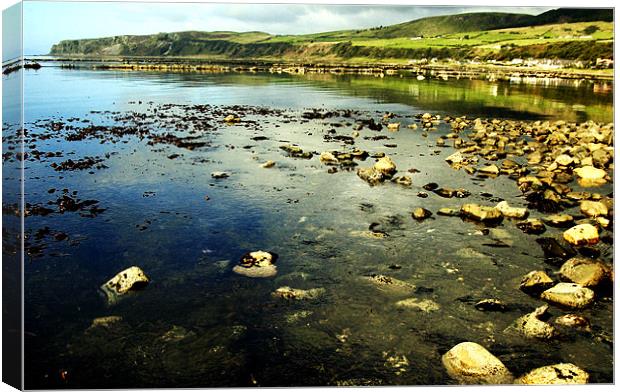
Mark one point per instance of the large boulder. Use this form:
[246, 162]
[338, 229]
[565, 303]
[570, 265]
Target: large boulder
[128, 280]
[481, 213]
[570, 295]
[470, 363]
[258, 264]
[562, 373]
[584, 234]
[584, 271]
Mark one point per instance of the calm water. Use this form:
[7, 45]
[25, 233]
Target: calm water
[229, 330]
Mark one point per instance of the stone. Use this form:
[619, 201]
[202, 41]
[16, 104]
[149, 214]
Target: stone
[573, 321]
[570, 295]
[219, 174]
[593, 209]
[403, 180]
[491, 305]
[470, 363]
[258, 264]
[481, 213]
[535, 282]
[532, 326]
[455, 158]
[583, 271]
[387, 283]
[231, 118]
[421, 213]
[562, 373]
[532, 226]
[128, 280]
[511, 212]
[584, 234]
[290, 293]
[424, 305]
[564, 160]
[268, 164]
[393, 126]
[370, 175]
[328, 158]
[590, 173]
[105, 322]
[491, 170]
[558, 220]
[449, 211]
[385, 166]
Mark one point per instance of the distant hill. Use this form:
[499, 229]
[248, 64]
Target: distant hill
[457, 36]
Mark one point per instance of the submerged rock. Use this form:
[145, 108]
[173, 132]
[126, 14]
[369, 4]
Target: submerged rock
[470, 363]
[532, 226]
[105, 322]
[532, 326]
[535, 282]
[481, 213]
[584, 234]
[491, 305]
[290, 293]
[449, 211]
[131, 279]
[258, 264]
[424, 305]
[268, 164]
[583, 271]
[511, 212]
[562, 373]
[388, 283]
[403, 180]
[219, 174]
[570, 295]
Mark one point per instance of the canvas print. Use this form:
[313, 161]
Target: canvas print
[286, 195]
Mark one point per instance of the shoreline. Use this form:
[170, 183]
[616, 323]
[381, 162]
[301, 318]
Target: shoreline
[442, 70]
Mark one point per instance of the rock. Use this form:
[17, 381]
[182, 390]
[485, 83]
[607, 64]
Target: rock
[470, 363]
[562, 373]
[554, 249]
[532, 226]
[564, 160]
[231, 118]
[431, 186]
[535, 282]
[393, 126]
[559, 220]
[481, 213]
[583, 271]
[176, 334]
[220, 174]
[491, 170]
[258, 264]
[491, 305]
[290, 293]
[421, 213]
[590, 173]
[511, 212]
[387, 283]
[425, 305]
[571, 295]
[268, 164]
[584, 234]
[449, 192]
[573, 321]
[370, 175]
[105, 322]
[385, 166]
[593, 209]
[531, 326]
[455, 158]
[131, 279]
[403, 180]
[328, 158]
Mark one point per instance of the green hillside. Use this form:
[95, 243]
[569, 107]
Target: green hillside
[584, 34]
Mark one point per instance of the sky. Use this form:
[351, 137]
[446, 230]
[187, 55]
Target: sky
[46, 23]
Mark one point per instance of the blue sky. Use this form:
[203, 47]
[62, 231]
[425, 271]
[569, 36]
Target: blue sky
[46, 23]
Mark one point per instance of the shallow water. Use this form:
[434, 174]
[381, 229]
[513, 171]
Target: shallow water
[232, 331]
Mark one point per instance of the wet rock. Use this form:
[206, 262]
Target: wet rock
[535, 282]
[593, 209]
[176, 334]
[403, 180]
[268, 164]
[290, 293]
[590, 173]
[511, 212]
[105, 322]
[481, 213]
[491, 305]
[449, 192]
[532, 226]
[231, 119]
[573, 321]
[584, 234]
[564, 160]
[532, 326]
[554, 249]
[562, 373]
[220, 174]
[387, 283]
[385, 166]
[470, 363]
[570, 295]
[258, 264]
[455, 158]
[328, 158]
[559, 220]
[423, 195]
[296, 151]
[424, 305]
[449, 211]
[130, 279]
[393, 126]
[491, 170]
[370, 175]
[584, 271]
[431, 186]
[421, 213]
